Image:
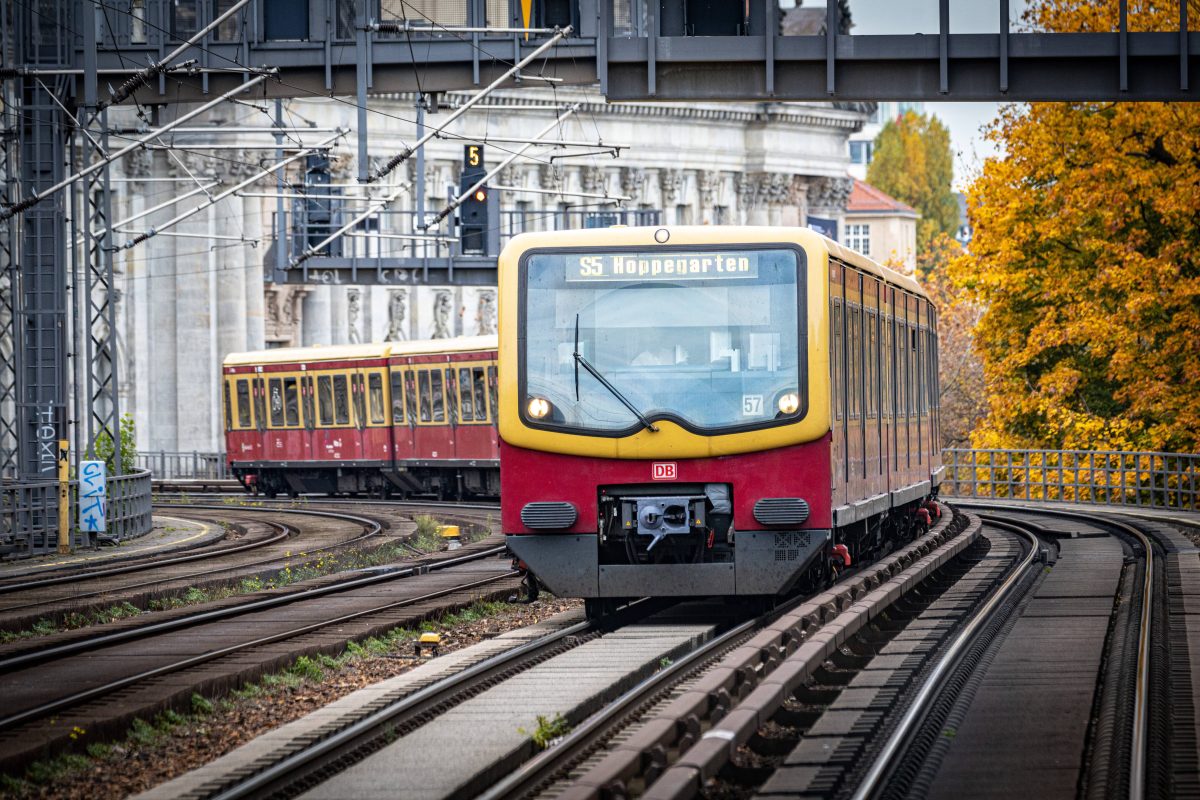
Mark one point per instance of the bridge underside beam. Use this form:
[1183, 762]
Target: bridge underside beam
[1040, 67]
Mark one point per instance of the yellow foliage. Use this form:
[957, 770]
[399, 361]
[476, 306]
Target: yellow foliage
[1086, 257]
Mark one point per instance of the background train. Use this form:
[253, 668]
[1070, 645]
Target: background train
[392, 419]
[709, 410]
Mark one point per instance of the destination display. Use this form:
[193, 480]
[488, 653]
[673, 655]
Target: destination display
[659, 265]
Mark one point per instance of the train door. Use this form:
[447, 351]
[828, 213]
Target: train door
[358, 414]
[260, 417]
[377, 436]
[840, 396]
[432, 438]
[333, 435]
[886, 370]
[871, 448]
[308, 407]
[474, 437]
[401, 432]
[450, 384]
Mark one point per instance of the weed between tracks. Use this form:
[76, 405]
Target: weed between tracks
[426, 538]
[157, 750]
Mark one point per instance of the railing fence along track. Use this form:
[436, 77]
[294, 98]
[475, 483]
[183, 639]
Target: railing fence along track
[1100, 477]
[179, 464]
[29, 514]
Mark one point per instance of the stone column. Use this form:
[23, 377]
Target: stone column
[316, 321]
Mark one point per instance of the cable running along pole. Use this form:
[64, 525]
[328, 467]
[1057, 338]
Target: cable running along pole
[400, 158]
[37, 197]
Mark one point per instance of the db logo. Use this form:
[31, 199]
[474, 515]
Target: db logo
[664, 471]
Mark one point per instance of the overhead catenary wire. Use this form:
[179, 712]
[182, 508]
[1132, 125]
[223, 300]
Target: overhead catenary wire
[139, 80]
[458, 201]
[403, 156]
[37, 197]
[262, 173]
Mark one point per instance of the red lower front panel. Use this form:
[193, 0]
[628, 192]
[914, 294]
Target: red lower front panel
[803, 471]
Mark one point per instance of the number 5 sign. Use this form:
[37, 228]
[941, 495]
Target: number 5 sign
[92, 498]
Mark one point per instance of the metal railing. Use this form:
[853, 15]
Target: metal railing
[29, 514]
[1153, 480]
[175, 465]
[376, 237]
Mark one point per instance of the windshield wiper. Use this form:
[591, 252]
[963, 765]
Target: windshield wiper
[595, 373]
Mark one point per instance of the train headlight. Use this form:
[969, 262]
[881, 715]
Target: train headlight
[538, 407]
[789, 403]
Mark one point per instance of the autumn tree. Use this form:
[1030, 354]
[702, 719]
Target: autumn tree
[1086, 257]
[912, 162]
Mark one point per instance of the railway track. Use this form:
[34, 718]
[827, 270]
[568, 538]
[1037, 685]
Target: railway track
[1024, 666]
[273, 543]
[664, 660]
[100, 683]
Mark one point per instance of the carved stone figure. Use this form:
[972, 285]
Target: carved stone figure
[829, 194]
[670, 184]
[632, 180]
[354, 311]
[139, 163]
[550, 176]
[397, 311]
[708, 181]
[592, 179]
[442, 306]
[485, 313]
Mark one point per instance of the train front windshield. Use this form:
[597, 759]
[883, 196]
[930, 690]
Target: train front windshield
[709, 338]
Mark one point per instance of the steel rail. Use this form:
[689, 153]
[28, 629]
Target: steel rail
[215, 615]
[211, 655]
[144, 563]
[548, 762]
[1141, 703]
[430, 695]
[373, 528]
[894, 746]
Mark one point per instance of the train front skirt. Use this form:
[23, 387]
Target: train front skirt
[764, 563]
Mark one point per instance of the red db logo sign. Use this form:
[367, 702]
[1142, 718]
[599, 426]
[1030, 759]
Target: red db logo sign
[664, 471]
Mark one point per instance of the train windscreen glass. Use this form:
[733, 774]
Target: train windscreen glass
[710, 339]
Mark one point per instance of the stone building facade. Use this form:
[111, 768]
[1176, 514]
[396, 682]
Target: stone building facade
[188, 299]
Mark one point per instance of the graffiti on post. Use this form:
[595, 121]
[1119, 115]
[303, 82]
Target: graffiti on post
[92, 475]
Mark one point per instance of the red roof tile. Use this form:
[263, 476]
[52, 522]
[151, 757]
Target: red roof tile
[865, 198]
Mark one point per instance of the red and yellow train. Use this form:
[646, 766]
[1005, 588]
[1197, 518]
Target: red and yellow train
[709, 410]
[392, 419]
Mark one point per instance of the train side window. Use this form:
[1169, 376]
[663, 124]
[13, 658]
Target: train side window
[228, 405]
[492, 383]
[466, 399]
[397, 397]
[439, 398]
[854, 382]
[341, 401]
[479, 386]
[291, 402]
[912, 370]
[375, 397]
[275, 401]
[243, 404]
[410, 397]
[872, 371]
[839, 368]
[426, 401]
[325, 399]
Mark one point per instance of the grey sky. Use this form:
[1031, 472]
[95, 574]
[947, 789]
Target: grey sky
[921, 16]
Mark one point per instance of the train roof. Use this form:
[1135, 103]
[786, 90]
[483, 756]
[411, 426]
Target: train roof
[350, 352]
[716, 235]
